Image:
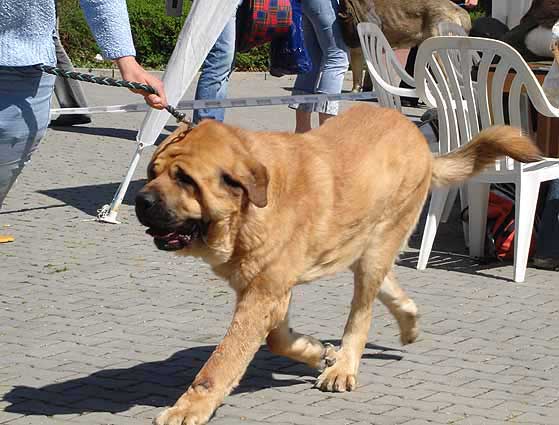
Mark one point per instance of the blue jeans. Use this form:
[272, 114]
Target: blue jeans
[25, 95]
[547, 245]
[216, 71]
[328, 52]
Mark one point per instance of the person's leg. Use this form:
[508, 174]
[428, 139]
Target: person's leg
[25, 95]
[215, 74]
[488, 7]
[547, 245]
[356, 59]
[306, 83]
[410, 65]
[323, 16]
[302, 120]
[68, 92]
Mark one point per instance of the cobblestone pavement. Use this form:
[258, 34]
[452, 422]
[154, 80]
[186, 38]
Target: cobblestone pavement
[98, 327]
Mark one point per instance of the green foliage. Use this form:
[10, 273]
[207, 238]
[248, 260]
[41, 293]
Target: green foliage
[155, 35]
[478, 11]
[74, 33]
[256, 59]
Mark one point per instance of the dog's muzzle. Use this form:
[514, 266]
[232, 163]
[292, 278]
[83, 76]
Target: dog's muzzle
[177, 239]
[167, 234]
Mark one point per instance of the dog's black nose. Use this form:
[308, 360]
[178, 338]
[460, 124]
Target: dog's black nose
[145, 201]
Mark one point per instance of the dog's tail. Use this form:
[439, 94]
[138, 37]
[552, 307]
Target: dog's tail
[485, 148]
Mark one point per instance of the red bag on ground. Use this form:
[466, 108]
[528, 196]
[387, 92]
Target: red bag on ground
[501, 229]
[260, 21]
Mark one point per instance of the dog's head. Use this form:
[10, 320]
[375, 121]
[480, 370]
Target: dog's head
[200, 183]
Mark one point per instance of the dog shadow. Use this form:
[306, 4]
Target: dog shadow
[159, 383]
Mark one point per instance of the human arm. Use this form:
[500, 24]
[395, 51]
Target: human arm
[108, 20]
[468, 4]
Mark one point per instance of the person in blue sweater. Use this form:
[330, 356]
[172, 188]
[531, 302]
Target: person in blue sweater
[26, 39]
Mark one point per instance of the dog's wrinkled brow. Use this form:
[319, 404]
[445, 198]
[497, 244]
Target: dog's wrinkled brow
[179, 137]
[162, 150]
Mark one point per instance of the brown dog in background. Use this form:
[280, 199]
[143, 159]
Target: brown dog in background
[269, 211]
[405, 23]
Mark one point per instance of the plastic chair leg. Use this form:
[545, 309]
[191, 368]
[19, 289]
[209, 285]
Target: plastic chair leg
[525, 208]
[449, 204]
[478, 197]
[436, 206]
[464, 205]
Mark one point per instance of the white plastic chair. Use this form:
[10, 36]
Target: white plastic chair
[386, 73]
[383, 66]
[447, 28]
[466, 106]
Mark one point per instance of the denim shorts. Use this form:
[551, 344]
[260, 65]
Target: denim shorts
[328, 52]
[25, 96]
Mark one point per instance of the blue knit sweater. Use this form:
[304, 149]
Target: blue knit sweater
[27, 28]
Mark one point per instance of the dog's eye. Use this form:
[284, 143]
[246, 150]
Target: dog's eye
[151, 172]
[184, 178]
[230, 181]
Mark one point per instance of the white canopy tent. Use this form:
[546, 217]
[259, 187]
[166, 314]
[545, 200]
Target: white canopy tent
[204, 23]
[202, 27]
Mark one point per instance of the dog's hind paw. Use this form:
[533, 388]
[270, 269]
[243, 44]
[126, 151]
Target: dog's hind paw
[328, 357]
[407, 321]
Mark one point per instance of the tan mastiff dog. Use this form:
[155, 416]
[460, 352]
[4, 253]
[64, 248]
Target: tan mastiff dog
[268, 211]
[405, 23]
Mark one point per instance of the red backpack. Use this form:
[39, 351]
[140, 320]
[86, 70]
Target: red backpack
[501, 229]
[260, 21]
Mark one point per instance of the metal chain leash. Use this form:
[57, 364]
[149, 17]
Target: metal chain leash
[108, 81]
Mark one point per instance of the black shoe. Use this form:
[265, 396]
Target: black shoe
[69, 120]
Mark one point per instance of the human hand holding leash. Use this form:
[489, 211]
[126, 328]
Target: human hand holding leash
[131, 70]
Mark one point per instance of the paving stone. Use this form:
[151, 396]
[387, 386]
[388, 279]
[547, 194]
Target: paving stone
[299, 419]
[6, 417]
[479, 420]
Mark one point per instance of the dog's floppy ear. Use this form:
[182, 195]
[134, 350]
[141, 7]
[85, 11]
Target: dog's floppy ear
[252, 176]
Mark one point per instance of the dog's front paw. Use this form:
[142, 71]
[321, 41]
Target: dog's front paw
[182, 416]
[339, 376]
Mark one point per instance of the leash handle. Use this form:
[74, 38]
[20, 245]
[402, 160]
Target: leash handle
[108, 81]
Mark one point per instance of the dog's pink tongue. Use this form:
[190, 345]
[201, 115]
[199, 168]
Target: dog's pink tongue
[164, 236]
